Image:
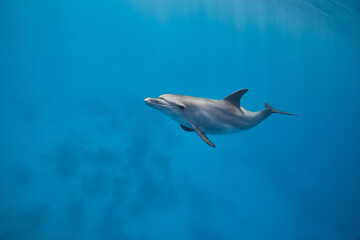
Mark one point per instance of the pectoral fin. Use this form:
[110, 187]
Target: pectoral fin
[204, 137]
[186, 128]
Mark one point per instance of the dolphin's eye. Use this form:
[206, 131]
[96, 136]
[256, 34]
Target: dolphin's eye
[180, 106]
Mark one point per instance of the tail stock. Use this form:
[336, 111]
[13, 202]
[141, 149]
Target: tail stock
[273, 110]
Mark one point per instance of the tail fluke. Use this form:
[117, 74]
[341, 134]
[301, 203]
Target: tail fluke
[273, 110]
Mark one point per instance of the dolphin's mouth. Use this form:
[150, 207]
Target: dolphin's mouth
[157, 102]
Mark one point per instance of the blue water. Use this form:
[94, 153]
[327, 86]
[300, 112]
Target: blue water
[82, 156]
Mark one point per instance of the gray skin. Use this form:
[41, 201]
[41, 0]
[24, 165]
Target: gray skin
[209, 116]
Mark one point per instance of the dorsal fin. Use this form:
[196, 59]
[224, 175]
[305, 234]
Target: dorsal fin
[235, 97]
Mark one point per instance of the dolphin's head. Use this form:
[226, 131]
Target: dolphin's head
[167, 103]
[170, 104]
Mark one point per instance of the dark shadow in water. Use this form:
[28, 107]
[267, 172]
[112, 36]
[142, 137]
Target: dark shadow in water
[104, 156]
[75, 214]
[111, 225]
[151, 193]
[110, 121]
[68, 157]
[201, 233]
[24, 225]
[22, 175]
[96, 184]
[128, 181]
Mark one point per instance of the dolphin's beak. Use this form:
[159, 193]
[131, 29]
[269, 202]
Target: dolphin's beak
[148, 101]
[156, 102]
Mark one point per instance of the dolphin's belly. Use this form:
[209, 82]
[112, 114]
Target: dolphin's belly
[216, 122]
[218, 128]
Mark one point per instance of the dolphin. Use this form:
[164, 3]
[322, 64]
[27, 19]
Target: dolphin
[210, 116]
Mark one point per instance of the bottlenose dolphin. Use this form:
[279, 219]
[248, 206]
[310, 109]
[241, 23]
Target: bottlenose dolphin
[210, 116]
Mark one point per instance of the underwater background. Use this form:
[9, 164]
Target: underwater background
[82, 156]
